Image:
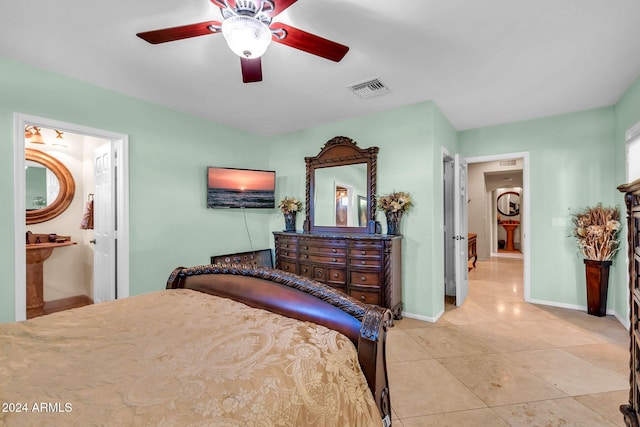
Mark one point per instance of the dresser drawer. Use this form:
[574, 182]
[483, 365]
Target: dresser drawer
[365, 252]
[315, 245]
[329, 259]
[284, 253]
[367, 297]
[289, 267]
[364, 262]
[288, 243]
[364, 278]
[373, 244]
[306, 270]
[336, 276]
[323, 250]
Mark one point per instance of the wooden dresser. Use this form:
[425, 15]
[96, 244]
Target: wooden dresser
[632, 201]
[365, 266]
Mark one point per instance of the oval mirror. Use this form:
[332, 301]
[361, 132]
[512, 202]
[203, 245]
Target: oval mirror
[49, 186]
[509, 203]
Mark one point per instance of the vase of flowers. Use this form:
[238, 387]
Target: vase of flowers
[596, 231]
[394, 205]
[289, 207]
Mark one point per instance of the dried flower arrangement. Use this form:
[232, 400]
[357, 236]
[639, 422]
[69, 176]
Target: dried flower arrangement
[596, 230]
[398, 201]
[289, 205]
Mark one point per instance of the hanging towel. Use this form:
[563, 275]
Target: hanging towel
[87, 217]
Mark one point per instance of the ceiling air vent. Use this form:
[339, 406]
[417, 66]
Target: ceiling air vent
[504, 163]
[369, 88]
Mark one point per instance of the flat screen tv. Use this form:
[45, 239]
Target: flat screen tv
[240, 188]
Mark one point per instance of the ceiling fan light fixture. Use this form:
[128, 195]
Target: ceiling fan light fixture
[247, 37]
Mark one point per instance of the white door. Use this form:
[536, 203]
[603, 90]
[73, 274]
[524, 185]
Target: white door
[460, 230]
[450, 256]
[104, 257]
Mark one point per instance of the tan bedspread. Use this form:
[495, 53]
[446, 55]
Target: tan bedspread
[179, 358]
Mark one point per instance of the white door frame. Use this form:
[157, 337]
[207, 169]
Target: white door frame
[525, 219]
[120, 143]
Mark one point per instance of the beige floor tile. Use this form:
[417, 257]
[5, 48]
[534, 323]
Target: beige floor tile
[569, 373]
[466, 315]
[606, 404]
[409, 323]
[449, 341]
[473, 418]
[557, 332]
[613, 357]
[497, 380]
[552, 413]
[607, 328]
[401, 347]
[425, 387]
[501, 337]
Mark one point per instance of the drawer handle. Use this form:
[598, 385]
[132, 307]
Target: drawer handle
[334, 251]
[363, 262]
[335, 260]
[319, 273]
[364, 279]
[336, 275]
[362, 298]
[305, 256]
[363, 252]
[286, 267]
[305, 270]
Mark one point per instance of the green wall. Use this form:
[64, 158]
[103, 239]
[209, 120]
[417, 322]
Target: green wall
[572, 164]
[168, 154]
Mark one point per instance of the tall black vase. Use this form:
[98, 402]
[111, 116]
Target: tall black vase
[597, 275]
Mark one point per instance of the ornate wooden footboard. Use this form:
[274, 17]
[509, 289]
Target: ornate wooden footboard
[304, 299]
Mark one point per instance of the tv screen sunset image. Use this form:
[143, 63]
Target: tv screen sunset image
[240, 188]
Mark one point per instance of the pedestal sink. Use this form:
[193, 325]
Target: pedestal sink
[37, 253]
[510, 226]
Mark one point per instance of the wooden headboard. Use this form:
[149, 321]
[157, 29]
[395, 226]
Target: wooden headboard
[304, 299]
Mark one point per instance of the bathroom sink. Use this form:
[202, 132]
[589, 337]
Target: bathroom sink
[39, 248]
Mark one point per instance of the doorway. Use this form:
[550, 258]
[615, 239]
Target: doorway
[486, 230]
[117, 272]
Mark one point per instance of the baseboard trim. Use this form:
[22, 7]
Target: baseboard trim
[610, 312]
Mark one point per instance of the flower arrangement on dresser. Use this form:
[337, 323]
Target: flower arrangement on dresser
[596, 231]
[289, 207]
[394, 205]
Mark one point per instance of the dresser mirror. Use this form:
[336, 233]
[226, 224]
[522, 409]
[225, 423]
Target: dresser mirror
[341, 186]
[49, 187]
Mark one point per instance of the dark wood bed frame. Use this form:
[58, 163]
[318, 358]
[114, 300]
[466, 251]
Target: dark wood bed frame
[304, 299]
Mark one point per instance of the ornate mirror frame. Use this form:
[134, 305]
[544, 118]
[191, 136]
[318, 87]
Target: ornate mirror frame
[67, 187]
[498, 204]
[342, 151]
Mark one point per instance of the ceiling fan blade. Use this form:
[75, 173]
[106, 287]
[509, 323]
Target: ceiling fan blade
[251, 70]
[310, 43]
[280, 6]
[178, 33]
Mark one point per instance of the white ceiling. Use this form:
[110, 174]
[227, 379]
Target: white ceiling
[482, 62]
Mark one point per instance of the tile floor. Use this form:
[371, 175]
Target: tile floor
[498, 361]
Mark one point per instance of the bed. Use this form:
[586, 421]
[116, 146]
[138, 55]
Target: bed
[223, 345]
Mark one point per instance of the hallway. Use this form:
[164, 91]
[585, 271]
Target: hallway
[498, 361]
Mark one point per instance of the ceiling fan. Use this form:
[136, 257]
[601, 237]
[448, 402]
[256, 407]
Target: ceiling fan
[248, 29]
